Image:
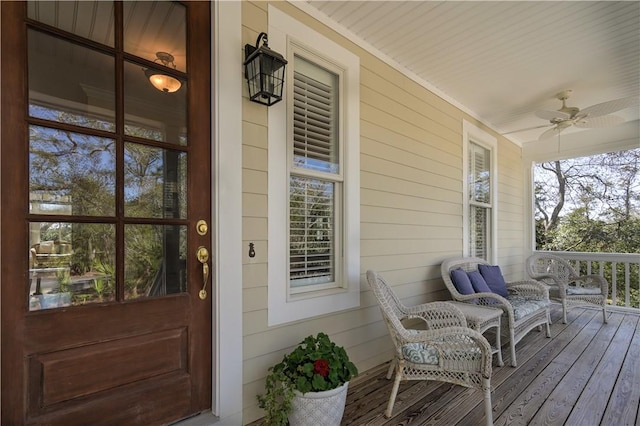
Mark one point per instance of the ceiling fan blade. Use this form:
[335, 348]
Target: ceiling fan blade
[601, 121]
[547, 134]
[552, 115]
[528, 128]
[609, 107]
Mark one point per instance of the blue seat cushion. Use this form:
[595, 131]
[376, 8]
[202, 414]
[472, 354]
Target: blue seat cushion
[493, 276]
[419, 353]
[524, 306]
[423, 353]
[571, 290]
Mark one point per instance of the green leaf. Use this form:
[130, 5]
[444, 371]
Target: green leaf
[303, 385]
[319, 384]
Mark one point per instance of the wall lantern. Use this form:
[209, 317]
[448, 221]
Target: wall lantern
[264, 71]
[163, 82]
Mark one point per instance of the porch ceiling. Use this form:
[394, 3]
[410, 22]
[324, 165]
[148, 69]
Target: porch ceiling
[502, 61]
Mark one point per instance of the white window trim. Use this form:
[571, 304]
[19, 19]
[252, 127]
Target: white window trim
[282, 29]
[472, 133]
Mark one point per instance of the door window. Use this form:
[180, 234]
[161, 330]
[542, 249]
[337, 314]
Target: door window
[108, 152]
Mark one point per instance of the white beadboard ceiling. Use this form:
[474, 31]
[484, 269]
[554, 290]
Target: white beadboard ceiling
[503, 60]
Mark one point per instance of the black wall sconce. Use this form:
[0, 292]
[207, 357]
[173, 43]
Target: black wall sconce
[264, 71]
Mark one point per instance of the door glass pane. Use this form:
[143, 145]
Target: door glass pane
[151, 113]
[155, 260]
[82, 171]
[70, 173]
[70, 264]
[70, 84]
[164, 30]
[92, 20]
[155, 182]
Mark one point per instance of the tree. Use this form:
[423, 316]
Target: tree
[585, 204]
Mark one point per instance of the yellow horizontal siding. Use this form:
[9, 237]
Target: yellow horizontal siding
[411, 209]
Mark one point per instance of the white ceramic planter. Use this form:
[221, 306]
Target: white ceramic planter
[318, 408]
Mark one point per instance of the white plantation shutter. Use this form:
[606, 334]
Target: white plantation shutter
[314, 178]
[314, 118]
[480, 202]
[479, 174]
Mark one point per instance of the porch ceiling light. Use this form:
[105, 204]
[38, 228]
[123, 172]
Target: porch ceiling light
[264, 71]
[163, 82]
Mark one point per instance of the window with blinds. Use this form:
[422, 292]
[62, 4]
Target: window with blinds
[480, 202]
[314, 178]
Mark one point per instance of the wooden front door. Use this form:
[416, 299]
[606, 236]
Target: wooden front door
[106, 212]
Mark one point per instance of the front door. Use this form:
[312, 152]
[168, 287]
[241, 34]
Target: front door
[106, 212]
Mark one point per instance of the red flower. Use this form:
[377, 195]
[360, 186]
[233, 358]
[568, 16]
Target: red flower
[321, 367]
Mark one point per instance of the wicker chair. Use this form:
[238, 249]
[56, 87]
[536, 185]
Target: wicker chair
[525, 308]
[445, 351]
[566, 285]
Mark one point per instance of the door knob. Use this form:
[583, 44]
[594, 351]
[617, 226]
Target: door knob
[202, 254]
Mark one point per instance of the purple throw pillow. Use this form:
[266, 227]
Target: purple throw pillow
[478, 283]
[493, 276]
[461, 281]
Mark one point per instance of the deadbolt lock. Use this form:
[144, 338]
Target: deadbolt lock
[202, 227]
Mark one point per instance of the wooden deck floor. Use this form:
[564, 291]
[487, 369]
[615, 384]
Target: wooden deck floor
[587, 374]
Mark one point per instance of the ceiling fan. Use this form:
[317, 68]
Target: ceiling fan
[594, 116]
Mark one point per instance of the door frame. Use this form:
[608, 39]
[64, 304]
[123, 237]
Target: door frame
[227, 211]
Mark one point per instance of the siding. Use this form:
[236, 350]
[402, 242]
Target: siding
[411, 209]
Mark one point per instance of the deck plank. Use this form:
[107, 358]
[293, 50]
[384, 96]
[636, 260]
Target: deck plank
[562, 399]
[527, 349]
[593, 399]
[571, 343]
[624, 403]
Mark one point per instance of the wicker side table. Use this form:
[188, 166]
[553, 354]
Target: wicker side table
[481, 319]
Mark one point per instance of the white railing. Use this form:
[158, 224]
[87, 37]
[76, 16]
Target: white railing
[621, 270]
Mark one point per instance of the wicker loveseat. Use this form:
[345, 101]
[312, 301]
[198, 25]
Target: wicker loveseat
[525, 307]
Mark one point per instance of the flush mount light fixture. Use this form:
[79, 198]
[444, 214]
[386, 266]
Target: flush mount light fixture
[163, 82]
[264, 71]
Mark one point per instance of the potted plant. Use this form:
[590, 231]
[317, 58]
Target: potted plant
[317, 372]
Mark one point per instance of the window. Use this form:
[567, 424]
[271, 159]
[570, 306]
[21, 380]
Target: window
[315, 179]
[314, 203]
[480, 152]
[479, 201]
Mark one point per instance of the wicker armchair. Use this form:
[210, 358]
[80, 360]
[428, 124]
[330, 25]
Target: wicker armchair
[445, 351]
[525, 308]
[566, 285]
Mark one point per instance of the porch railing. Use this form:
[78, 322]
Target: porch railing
[621, 270]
